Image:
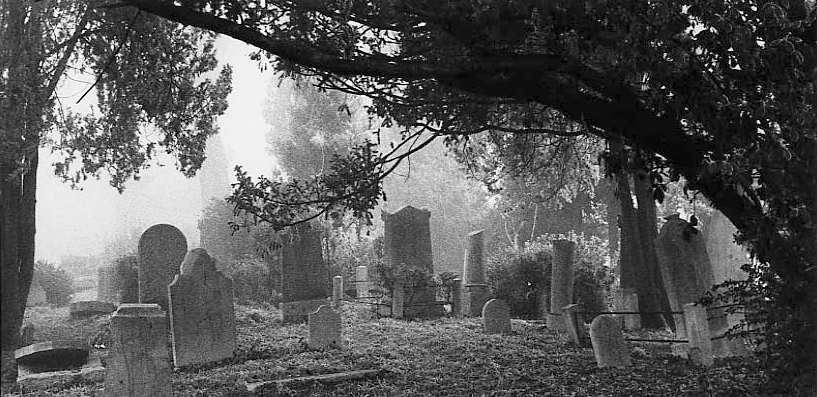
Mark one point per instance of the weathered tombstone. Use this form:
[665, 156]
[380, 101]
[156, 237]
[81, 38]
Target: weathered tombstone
[496, 317]
[561, 282]
[397, 301]
[337, 291]
[36, 295]
[407, 240]
[685, 267]
[609, 346]
[304, 275]
[84, 309]
[127, 279]
[475, 291]
[52, 355]
[629, 302]
[106, 284]
[697, 329]
[139, 360]
[456, 297]
[574, 324]
[202, 315]
[362, 281]
[324, 328]
[161, 250]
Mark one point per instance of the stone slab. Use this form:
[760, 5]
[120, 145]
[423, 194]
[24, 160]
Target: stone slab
[324, 329]
[304, 273]
[90, 372]
[496, 317]
[257, 387]
[52, 355]
[609, 346]
[84, 309]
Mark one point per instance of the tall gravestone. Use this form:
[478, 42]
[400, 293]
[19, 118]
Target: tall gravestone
[475, 290]
[161, 250]
[561, 282]
[139, 360]
[305, 280]
[202, 314]
[685, 267]
[407, 241]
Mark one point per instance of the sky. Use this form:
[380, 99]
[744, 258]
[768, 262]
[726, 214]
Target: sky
[85, 222]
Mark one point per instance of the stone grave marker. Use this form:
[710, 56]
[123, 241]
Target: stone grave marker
[84, 309]
[407, 240]
[127, 279]
[52, 355]
[161, 250]
[496, 317]
[139, 360]
[337, 291]
[362, 281]
[324, 329]
[561, 282]
[697, 329]
[475, 291]
[304, 274]
[202, 314]
[106, 290]
[609, 346]
[36, 295]
[629, 302]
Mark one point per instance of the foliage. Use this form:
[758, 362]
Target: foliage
[519, 278]
[219, 239]
[56, 282]
[413, 278]
[252, 282]
[344, 249]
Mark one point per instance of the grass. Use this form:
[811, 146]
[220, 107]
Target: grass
[443, 357]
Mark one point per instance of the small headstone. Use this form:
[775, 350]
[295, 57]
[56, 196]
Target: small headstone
[84, 309]
[36, 295]
[304, 274]
[456, 297]
[202, 314]
[609, 346]
[52, 355]
[629, 302]
[561, 282]
[697, 329]
[139, 360]
[362, 281]
[397, 301]
[324, 329]
[337, 291]
[496, 317]
[162, 249]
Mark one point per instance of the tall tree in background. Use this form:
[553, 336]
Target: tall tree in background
[149, 74]
[726, 95]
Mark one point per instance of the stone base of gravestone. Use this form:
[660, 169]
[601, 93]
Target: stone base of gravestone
[139, 363]
[324, 329]
[298, 312]
[28, 381]
[474, 297]
[609, 346]
[84, 309]
[52, 356]
[496, 317]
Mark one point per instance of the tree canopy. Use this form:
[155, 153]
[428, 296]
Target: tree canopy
[722, 93]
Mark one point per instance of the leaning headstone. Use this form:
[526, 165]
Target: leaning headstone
[574, 324]
[697, 329]
[561, 282]
[36, 295]
[609, 346]
[475, 291]
[337, 291]
[304, 274]
[407, 240]
[362, 281]
[84, 309]
[324, 329]
[684, 264]
[161, 250]
[496, 317]
[139, 360]
[629, 302]
[202, 314]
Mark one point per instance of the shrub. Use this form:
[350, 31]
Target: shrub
[252, 282]
[56, 282]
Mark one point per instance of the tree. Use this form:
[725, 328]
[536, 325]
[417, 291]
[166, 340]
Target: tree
[149, 74]
[723, 92]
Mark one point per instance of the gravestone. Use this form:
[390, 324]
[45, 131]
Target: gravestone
[475, 291]
[697, 329]
[609, 346]
[337, 291]
[685, 267]
[106, 290]
[139, 360]
[36, 295]
[324, 329]
[161, 250]
[202, 315]
[84, 309]
[362, 281]
[561, 282]
[629, 302]
[304, 275]
[52, 355]
[127, 279]
[496, 317]
[407, 241]
[397, 301]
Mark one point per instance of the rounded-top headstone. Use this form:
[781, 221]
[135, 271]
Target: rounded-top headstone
[608, 342]
[496, 317]
[162, 249]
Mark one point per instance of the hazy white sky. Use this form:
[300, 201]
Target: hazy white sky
[74, 222]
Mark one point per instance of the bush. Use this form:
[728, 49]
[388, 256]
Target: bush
[56, 282]
[252, 282]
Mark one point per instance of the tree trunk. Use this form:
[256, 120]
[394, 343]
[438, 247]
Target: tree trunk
[648, 229]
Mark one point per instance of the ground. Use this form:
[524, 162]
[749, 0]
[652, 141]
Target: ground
[443, 357]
